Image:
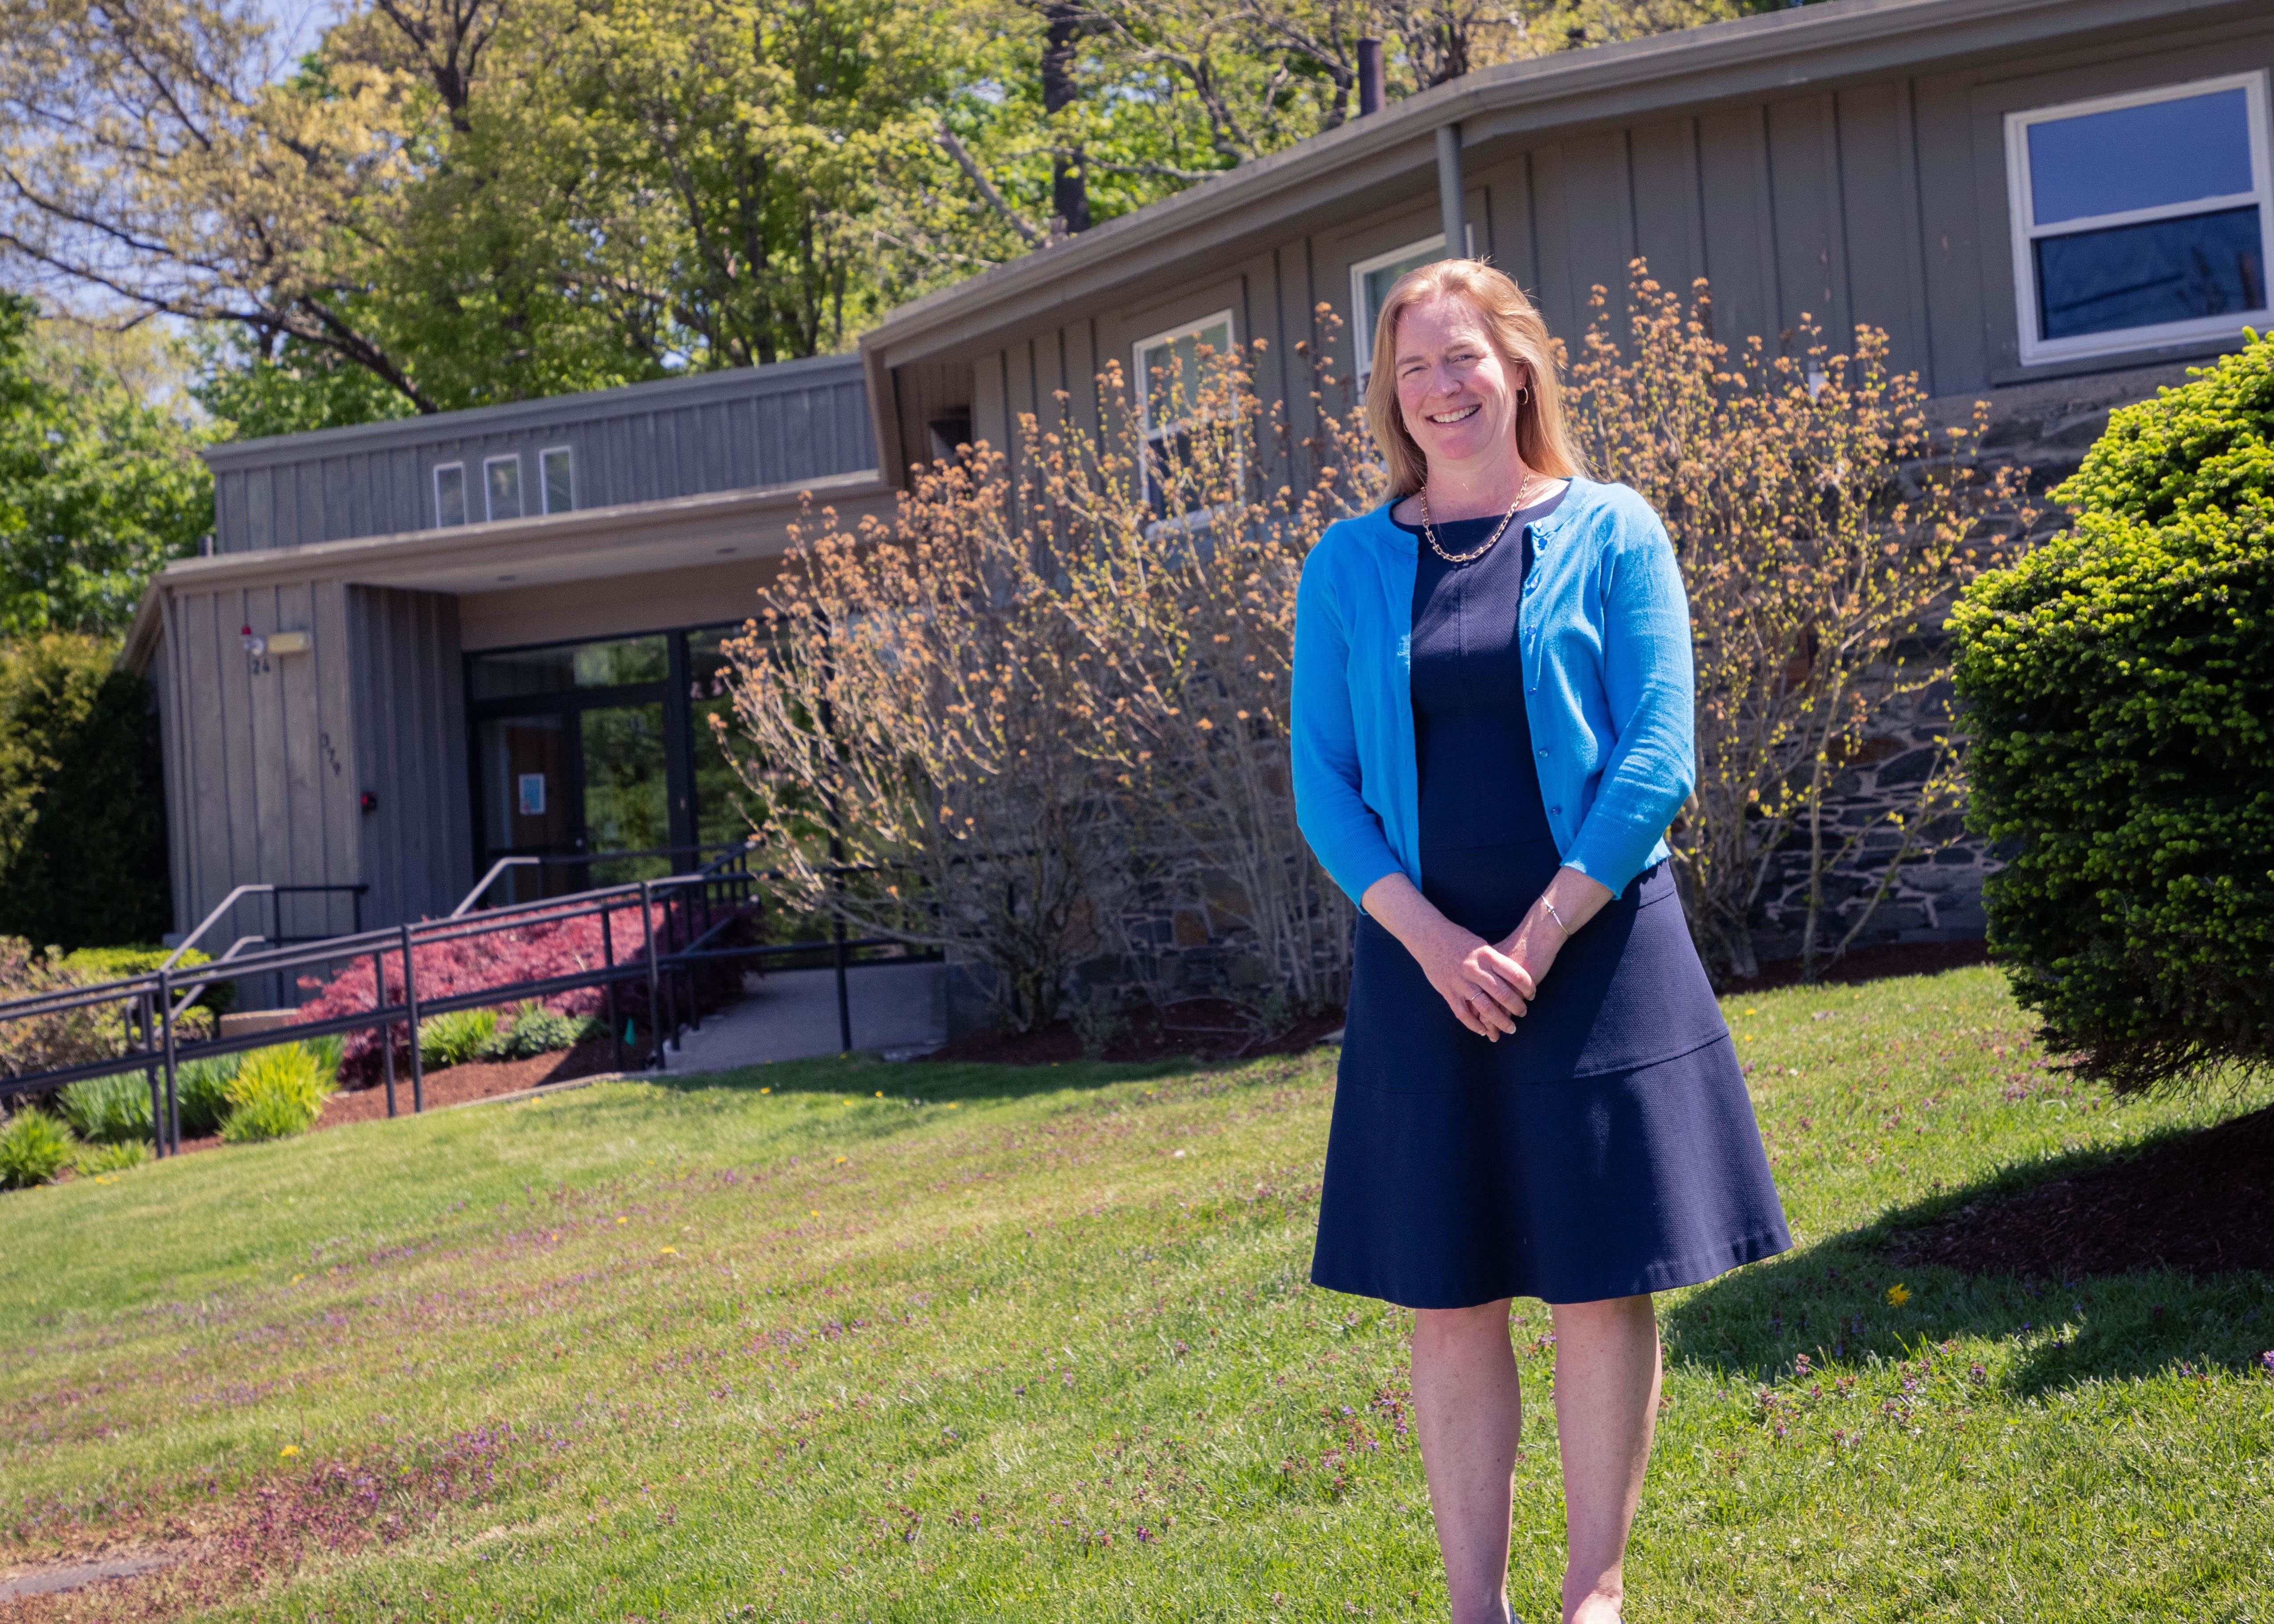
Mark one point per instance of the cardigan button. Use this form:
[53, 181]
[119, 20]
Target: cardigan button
[1558, 811]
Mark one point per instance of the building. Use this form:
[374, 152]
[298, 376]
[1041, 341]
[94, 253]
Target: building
[510, 614]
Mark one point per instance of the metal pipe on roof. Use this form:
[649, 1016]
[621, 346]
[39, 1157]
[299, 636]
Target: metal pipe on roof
[1369, 77]
[1448, 189]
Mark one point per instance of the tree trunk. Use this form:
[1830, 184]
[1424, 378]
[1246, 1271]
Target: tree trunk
[1069, 165]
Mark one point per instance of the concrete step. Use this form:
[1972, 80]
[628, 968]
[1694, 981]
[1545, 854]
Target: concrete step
[792, 1015]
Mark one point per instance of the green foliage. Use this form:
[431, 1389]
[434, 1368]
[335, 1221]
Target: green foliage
[201, 1092]
[115, 964]
[537, 1030]
[276, 1093]
[82, 803]
[33, 1148]
[458, 1037]
[2122, 681]
[254, 394]
[109, 1111]
[98, 487]
[94, 1159]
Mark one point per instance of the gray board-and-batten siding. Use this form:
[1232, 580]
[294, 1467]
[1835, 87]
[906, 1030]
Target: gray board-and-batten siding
[735, 430]
[1843, 162]
[266, 765]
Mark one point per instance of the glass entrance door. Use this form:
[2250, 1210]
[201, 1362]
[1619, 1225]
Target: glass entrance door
[600, 750]
[624, 790]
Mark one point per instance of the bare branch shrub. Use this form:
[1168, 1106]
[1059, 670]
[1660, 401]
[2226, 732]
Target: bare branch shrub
[1823, 528]
[1027, 704]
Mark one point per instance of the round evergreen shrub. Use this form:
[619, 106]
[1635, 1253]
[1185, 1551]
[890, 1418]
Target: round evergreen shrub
[2120, 681]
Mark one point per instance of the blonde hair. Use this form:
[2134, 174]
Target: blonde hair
[1517, 332]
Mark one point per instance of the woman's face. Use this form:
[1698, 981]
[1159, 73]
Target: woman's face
[1458, 397]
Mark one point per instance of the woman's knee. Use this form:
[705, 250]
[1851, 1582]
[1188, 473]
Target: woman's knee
[1452, 1326]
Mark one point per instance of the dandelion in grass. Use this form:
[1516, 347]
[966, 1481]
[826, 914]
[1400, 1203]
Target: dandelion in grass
[1898, 1295]
[765, 1091]
[670, 1252]
[288, 1451]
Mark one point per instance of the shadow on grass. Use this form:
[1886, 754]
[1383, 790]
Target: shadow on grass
[1877, 1291]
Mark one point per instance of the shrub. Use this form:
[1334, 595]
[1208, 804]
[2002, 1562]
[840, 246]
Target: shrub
[201, 1092]
[92, 965]
[2122, 679]
[456, 1037]
[1033, 697]
[276, 1093]
[536, 1030]
[82, 809]
[1821, 525]
[109, 1111]
[33, 1148]
[449, 969]
[93, 1159]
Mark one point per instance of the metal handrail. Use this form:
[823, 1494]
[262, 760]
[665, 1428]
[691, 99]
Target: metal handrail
[680, 934]
[489, 879]
[211, 920]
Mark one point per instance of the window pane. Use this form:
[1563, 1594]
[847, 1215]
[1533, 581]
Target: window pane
[719, 819]
[450, 494]
[2138, 276]
[526, 671]
[1382, 278]
[1174, 369]
[2140, 157]
[559, 481]
[626, 805]
[503, 477]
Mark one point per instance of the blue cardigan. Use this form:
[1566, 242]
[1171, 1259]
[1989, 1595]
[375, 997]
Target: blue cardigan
[1607, 689]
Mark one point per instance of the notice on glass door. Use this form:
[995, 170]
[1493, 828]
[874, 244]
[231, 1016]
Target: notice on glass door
[532, 794]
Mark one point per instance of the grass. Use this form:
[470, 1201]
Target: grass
[793, 1344]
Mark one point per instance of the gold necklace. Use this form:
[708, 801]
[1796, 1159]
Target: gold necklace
[1429, 531]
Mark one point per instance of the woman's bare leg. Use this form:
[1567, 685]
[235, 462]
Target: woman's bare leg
[1471, 1414]
[1606, 1381]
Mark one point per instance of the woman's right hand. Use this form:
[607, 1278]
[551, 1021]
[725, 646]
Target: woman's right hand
[1487, 990]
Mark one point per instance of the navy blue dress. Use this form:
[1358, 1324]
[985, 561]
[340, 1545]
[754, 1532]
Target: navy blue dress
[1606, 1147]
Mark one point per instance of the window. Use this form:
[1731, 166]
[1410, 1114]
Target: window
[501, 486]
[2140, 220]
[1170, 369]
[1371, 280]
[558, 465]
[450, 494]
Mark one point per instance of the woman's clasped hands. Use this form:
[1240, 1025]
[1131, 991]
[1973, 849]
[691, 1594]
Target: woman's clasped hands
[1487, 985]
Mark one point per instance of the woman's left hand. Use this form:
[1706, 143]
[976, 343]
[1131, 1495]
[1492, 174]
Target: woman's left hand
[1569, 901]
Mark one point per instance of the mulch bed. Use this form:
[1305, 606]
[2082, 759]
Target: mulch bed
[2199, 1203]
[1871, 964]
[477, 1079]
[1199, 1029]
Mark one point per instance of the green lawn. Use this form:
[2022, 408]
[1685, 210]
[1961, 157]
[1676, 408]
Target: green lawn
[791, 1344]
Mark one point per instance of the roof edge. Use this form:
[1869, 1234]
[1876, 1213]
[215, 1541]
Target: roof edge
[621, 399]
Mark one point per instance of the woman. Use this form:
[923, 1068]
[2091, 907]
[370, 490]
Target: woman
[1538, 1096]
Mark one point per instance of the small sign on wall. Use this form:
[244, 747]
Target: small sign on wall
[532, 794]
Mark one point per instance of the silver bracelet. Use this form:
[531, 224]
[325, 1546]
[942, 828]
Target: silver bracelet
[1558, 918]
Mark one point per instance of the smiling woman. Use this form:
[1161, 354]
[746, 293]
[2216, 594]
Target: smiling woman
[1492, 732]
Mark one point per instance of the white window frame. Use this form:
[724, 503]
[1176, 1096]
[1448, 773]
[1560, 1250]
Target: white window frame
[1147, 429]
[1362, 328]
[440, 470]
[488, 463]
[545, 486]
[2022, 211]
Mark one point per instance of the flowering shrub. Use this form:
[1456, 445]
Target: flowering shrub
[501, 959]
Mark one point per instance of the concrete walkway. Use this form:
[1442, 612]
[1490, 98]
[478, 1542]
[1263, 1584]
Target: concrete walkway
[792, 1015]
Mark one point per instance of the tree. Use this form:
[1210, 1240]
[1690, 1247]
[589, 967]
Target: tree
[98, 487]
